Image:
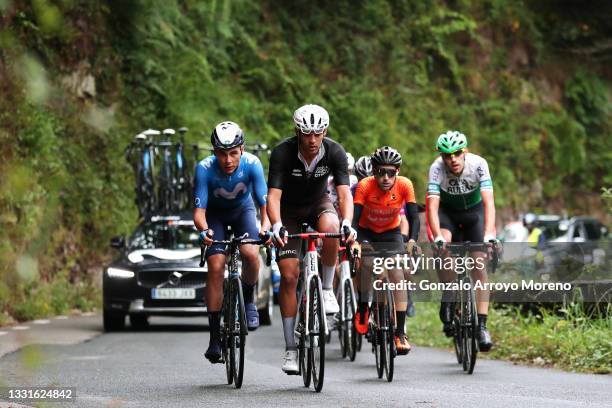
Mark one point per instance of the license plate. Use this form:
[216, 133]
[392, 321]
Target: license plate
[173, 293]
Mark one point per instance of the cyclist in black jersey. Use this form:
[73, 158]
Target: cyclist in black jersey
[297, 193]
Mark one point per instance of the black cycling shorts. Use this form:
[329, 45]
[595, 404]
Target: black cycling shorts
[464, 225]
[293, 216]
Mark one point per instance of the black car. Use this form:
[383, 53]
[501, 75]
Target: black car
[158, 273]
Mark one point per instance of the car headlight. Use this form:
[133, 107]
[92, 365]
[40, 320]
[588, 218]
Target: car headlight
[119, 273]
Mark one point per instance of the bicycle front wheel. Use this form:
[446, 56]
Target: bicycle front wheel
[238, 337]
[389, 344]
[469, 349]
[379, 336]
[316, 323]
[349, 330]
[226, 331]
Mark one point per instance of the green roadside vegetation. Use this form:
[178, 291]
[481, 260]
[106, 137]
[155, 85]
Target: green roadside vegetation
[569, 339]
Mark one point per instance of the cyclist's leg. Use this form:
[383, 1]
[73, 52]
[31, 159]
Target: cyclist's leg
[393, 241]
[363, 284]
[246, 221]
[450, 232]
[324, 214]
[215, 258]
[288, 264]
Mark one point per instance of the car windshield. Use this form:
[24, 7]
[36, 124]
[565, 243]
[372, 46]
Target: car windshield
[551, 229]
[168, 235]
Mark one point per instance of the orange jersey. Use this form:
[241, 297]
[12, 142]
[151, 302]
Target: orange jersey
[381, 210]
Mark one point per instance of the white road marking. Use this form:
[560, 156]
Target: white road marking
[2, 333]
[21, 328]
[42, 321]
[61, 317]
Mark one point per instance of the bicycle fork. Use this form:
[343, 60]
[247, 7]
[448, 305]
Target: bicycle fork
[310, 271]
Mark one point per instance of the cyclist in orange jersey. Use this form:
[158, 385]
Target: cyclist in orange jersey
[378, 201]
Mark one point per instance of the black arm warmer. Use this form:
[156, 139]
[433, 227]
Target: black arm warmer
[357, 208]
[414, 223]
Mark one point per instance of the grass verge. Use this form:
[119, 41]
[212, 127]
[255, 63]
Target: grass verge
[569, 339]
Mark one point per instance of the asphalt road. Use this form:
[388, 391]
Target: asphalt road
[165, 367]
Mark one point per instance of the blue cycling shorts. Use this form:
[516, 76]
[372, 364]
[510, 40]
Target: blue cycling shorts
[242, 219]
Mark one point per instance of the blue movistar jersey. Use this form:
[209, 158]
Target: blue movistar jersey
[215, 189]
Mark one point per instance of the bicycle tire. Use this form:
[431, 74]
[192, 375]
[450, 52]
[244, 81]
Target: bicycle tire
[473, 330]
[317, 334]
[239, 334]
[379, 338]
[350, 332]
[457, 342]
[226, 332]
[305, 364]
[390, 333]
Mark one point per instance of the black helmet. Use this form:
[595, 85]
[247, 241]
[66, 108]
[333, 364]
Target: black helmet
[227, 135]
[386, 155]
[363, 167]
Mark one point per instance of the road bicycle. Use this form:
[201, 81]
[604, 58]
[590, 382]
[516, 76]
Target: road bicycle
[311, 324]
[233, 330]
[465, 318]
[345, 292]
[143, 165]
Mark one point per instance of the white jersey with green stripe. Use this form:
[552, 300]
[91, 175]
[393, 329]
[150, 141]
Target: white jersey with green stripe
[461, 191]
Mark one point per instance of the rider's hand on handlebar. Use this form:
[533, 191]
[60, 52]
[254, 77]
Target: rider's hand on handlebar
[440, 242]
[279, 235]
[413, 248]
[349, 235]
[206, 237]
[492, 241]
[267, 236]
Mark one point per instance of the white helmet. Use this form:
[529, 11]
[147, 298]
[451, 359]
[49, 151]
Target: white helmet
[311, 119]
[351, 161]
[227, 135]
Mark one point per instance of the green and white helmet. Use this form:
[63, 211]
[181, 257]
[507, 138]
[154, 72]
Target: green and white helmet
[451, 141]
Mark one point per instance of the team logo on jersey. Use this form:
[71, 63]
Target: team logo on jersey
[197, 201]
[251, 159]
[321, 171]
[393, 197]
[459, 186]
[480, 171]
[240, 188]
[296, 173]
[207, 162]
[241, 174]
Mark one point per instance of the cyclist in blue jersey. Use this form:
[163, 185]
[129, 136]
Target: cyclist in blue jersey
[225, 186]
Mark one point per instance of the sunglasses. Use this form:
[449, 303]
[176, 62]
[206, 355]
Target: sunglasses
[380, 172]
[316, 132]
[449, 156]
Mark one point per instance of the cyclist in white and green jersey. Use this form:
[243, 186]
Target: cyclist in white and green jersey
[461, 207]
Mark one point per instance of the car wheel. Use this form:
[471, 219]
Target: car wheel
[265, 313]
[113, 321]
[139, 322]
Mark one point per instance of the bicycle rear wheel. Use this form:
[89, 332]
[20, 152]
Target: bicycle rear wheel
[238, 343]
[316, 351]
[305, 363]
[389, 311]
[457, 342]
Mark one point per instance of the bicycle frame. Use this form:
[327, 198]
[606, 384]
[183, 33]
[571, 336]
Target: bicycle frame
[310, 270]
